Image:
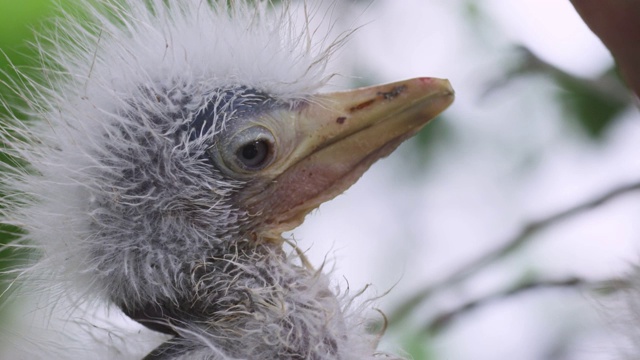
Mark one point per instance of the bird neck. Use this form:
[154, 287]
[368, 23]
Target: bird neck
[253, 301]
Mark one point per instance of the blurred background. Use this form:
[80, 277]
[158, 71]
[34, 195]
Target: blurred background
[498, 231]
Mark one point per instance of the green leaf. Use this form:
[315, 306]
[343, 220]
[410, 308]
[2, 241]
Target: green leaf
[593, 111]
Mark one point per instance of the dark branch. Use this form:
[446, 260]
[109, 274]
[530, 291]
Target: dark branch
[443, 320]
[521, 238]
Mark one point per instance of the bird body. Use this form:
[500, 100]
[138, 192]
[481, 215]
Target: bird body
[172, 143]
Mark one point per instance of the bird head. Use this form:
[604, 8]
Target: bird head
[323, 144]
[286, 157]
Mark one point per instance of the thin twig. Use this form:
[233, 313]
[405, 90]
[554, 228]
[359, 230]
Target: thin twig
[443, 320]
[521, 238]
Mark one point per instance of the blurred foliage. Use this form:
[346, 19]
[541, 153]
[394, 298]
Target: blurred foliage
[592, 103]
[593, 110]
[419, 348]
[18, 21]
[423, 147]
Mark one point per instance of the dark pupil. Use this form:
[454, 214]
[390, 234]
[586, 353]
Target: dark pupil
[254, 154]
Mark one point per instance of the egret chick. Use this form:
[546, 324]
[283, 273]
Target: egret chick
[170, 146]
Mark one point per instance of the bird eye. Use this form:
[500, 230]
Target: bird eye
[254, 154]
[250, 149]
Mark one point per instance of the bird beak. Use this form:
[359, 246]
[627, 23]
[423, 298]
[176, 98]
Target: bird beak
[338, 136]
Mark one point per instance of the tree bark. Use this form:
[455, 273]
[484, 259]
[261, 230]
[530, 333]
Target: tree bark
[617, 24]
